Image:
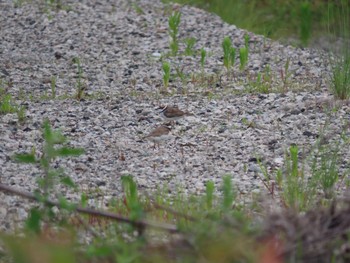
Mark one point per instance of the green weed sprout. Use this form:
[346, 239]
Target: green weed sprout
[229, 53]
[293, 188]
[53, 87]
[21, 113]
[80, 84]
[326, 170]
[6, 105]
[340, 77]
[137, 9]
[286, 74]
[174, 21]
[49, 153]
[305, 23]
[47, 183]
[131, 198]
[180, 73]
[203, 57]
[226, 45]
[189, 42]
[243, 57]
[340, 83]
[166, 74]
[209, 194]
[298, 192]
[232, 56]
[260, 85]
[246, 40]
[265, 80]
[325, 164]
[18, 3]
[228, 194]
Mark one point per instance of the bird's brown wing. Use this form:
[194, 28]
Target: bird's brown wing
[158, 131]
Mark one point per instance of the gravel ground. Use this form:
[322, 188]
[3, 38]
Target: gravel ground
[119, 46]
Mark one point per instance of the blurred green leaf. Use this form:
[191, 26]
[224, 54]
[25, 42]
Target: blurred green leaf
[133, 203]
[47, 133]
[99, 251]
[65, 204]
[83, 200]
[33, 221]
[66, 151]
[209, 194]
[25, 158]
[246, 40]
[58, 137]
[226, 45]
[6, 104]
[232, 56]
[228, 194]
[203, 56]
[243, 57]
[66, 180]
[130, 188]
[39, 196]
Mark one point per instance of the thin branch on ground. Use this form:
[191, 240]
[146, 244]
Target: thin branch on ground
[172, 211]
[90, 211]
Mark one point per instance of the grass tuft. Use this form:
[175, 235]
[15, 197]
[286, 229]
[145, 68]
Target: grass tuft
[174, 22]
[166, 74]
[340, 78]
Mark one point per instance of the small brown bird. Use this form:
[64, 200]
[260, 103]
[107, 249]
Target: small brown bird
[159, 134]
[173, 113]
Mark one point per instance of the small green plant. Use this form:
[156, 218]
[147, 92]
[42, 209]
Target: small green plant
[229, 53]
[232, 56]
[49, 153]
[325, 163]
[305, 22]
[53, 87]
[298, 192]
[300, 182]
[340, 76]
[226, 45]
[21, 114]
[259, 85]
[180, 73]
[81, 87]
[56, 5]
[52, 6]
[209, 194]
[243, 57]
[174, 22]
[285, 75]
[47, 184]
[6, 104]
[166, 74]
[190, 42]
[131, 198]
[18, 3]
[203, 57]
[228, 194]
[325, 168]
[137, 9]
[267, 73]
[340, 81]
[246, 40]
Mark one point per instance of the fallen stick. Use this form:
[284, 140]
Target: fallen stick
[90, 211]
